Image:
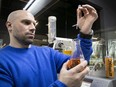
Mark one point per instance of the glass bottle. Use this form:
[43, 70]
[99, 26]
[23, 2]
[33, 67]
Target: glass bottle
[77, 56]
[109, 67]
[67, 50]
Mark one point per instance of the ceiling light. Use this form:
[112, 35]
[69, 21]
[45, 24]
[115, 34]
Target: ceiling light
[28, 4]
[34, 6]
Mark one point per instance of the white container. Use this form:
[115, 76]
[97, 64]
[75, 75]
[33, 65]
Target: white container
[51, 28]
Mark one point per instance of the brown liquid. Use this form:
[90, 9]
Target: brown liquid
[73, 62]
[109, 66]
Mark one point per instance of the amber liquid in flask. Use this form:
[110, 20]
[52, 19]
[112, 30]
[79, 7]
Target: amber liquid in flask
[77, 56]
[73, 62]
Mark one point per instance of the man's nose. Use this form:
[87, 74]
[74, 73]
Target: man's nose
[32, 27]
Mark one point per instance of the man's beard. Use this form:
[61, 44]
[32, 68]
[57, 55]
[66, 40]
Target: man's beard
[27, 42]
[24, 40]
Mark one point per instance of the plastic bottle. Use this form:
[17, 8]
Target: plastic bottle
[51, 28]
[77, 56]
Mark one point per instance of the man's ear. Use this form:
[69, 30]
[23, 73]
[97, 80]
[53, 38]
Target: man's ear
[9, 26]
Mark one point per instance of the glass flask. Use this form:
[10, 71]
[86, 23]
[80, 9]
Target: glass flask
[77, 56]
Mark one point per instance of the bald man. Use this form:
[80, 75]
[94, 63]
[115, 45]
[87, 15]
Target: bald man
[21, 28]
[26, 65]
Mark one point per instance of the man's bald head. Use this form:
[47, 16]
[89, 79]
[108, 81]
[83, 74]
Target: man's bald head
[21, 28]
[17, 14]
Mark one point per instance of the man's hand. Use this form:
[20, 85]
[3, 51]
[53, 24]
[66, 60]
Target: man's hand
[74, 76]
[86, 16]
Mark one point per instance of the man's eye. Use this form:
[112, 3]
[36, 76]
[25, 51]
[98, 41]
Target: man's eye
[26, 22]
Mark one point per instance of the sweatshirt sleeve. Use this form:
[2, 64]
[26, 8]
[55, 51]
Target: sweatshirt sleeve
[86, 46]
[57, 83]
[5, 80]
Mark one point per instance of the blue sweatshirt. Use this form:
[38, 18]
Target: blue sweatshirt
[35, 66]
